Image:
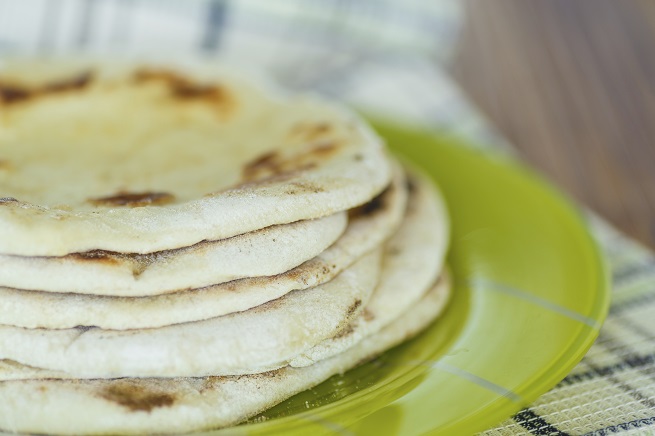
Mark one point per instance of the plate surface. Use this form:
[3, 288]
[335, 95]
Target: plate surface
[531, 292]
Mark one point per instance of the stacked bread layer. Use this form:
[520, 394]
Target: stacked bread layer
[200, 251]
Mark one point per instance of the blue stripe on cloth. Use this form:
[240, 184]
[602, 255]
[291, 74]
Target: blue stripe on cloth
[629, 363]
[86, 22]
[537, 425]
[216, 18]
[624, 426]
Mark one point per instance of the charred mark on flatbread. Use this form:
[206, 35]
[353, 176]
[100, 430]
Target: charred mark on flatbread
[348, 330]
[78, 82]
[367, 315]
[134, 199]
[135, 397]
[4, 200]
[14, 93]
[324, 148]
[296, 188]
[353, 308]
[137, 263]
[375, 206]
[269, 374]
[310, 131]
[184, 89]
[300, 274]
[411, 184]
[98, 256]
[320, 128]
[279, 178]
[266, 162]
[192, 91]
[141, 263]
[210, 382]
[271, 164]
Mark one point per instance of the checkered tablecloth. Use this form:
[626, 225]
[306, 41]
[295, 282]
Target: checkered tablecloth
[381, 55]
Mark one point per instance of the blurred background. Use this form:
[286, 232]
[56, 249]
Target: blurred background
[570, 84]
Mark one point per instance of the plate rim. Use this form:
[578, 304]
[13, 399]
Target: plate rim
[563, 364]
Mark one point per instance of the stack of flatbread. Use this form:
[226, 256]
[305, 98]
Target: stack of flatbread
[180, 250]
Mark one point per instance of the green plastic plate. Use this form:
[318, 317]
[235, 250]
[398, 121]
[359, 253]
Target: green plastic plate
[531, 293]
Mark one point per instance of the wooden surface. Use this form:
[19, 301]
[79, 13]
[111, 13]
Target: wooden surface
[571, 83]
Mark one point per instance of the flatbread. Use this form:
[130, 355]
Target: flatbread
[369, 226]
[141, 160]
[257, 340]
[265, 252]
[139, 406]
[413, 259]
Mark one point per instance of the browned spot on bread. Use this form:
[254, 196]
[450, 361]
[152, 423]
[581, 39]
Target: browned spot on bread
[261, 376]
[265, 162]
[138, 263]
[4, 165]
[320, 128]
[134, 199]
[231, 286]
[368, 315]
[324, 148]
[344, 332]
[271, 164]
[353, 308]
[184, 89]
[81, 329]
[98, 256]
[14, 93]
[135, 397]
[302, 274]
[277, 178]
[296, 188]
[375, 206]
[411, 185]
[310, 131]
[189, 91]
[8, 200]
[78, 82]
[209, 382]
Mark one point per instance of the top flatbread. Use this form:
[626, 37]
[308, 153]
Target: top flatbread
[141, 160]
